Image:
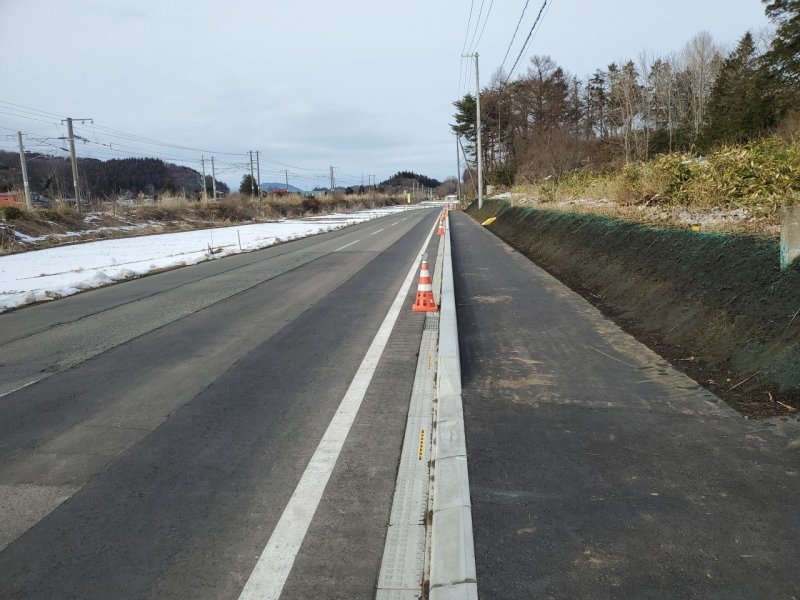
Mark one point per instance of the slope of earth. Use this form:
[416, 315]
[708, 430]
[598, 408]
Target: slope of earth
[716, 305]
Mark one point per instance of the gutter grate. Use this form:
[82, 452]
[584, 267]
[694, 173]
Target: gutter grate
[431, 322]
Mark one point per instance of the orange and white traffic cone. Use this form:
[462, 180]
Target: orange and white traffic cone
[440, 231]
[424, 301]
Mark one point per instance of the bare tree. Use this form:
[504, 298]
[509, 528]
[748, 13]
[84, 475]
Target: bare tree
[702, 59]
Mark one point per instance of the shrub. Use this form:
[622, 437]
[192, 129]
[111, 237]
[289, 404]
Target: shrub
[312, 205]
[12, 212]
[62, 214]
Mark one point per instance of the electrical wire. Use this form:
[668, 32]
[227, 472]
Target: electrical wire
[513, 37]
[469, 22]
[103, 145]
[475, 31]
[485, 21]
[527, 41]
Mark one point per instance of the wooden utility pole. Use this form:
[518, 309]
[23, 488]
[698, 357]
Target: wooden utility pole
[458, 171]
[24, 168]
[478, 127]
[74, 159]
[213, 179]
[252, 178]
[203, 162]
[258, 173]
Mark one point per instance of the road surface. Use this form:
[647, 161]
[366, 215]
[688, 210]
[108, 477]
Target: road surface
[596, 469]
[152, 432]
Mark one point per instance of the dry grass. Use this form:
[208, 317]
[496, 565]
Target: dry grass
[168, 214]
[735, 189]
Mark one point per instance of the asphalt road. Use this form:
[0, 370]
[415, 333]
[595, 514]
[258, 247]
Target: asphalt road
[596, 469]
[152, 432]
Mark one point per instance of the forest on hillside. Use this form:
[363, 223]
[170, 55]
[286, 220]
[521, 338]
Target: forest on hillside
[547, 122]
[101, 179]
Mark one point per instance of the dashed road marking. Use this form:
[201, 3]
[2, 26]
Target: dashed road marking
[347, 245]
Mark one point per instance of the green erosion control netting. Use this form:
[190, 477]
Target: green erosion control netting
[718, 302]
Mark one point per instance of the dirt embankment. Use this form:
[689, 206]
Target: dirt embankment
[716, 305]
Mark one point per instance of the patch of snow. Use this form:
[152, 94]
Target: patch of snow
[27, 239]
[51, 273]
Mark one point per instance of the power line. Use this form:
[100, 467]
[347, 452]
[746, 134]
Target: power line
[23, 116]
[527, 40]
[111, 149]
[28, 108]
[485, 21]
[477, 24]
[513, 37]
[469, 22]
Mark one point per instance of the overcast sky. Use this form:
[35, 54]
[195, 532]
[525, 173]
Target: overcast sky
[364, 86]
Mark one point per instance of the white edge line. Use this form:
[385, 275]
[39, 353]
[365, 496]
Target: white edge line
[22, 387]
[347, 245]
[275, 563]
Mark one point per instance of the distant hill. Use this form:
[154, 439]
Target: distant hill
[405, 180]
[52, 176]
[271, 187]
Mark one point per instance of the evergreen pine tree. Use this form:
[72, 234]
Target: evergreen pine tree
[742, 103]
[784, 55]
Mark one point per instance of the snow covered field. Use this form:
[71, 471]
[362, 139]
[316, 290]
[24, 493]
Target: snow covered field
[56, 272]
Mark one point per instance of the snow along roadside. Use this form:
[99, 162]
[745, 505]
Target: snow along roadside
[51, 273]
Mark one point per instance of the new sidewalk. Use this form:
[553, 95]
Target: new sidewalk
[596, 469]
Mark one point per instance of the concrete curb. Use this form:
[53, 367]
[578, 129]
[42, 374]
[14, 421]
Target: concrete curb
[452, 573]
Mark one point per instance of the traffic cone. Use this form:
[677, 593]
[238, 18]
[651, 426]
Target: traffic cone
[440, 231]
[424, 301]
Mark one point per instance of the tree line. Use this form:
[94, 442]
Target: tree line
[547, 122]
[52, 176]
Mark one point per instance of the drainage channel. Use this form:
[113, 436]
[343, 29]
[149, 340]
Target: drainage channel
[403, 568]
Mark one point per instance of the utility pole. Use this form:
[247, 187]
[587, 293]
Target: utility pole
[24, 167]
[478, 121]
[333, 184]
[252, 178]
[287, 181]
[458, 171]
[213, 179]
[258, 172]
[71, 138]
[203, 162]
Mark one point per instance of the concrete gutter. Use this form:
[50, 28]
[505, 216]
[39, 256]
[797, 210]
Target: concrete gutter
[452, 566]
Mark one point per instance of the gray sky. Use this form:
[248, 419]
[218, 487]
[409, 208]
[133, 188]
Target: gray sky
[364, 86]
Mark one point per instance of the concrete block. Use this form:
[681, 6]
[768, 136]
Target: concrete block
[790, 236]
[462, 591]
[451, 486]
[450, 408]
[450, 439]
[452, 553]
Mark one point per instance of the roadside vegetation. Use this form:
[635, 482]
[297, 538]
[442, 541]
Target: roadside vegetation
[22, 229]
[705, 131]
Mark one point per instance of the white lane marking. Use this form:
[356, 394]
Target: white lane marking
[379, 230]
[395, 223]
[22, 387]
[346, 245]
[272, 569]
